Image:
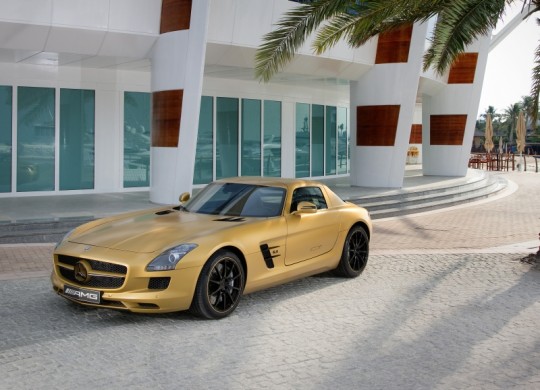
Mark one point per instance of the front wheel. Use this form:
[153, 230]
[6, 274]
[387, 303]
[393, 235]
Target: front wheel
[355, 253]
[219, 287]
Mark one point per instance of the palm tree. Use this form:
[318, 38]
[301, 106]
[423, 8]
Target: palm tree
[459, 23]
[510, 116]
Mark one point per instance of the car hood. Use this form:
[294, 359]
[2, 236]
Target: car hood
[151, 232]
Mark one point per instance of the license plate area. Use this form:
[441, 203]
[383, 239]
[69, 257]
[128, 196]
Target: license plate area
[82, 294]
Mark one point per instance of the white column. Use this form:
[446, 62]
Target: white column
[178, 64]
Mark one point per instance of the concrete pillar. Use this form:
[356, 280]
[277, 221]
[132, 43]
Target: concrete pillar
[382, 108]
[449, 116]
[177, 76]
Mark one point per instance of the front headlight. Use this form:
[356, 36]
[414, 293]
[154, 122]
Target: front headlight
[167, 260]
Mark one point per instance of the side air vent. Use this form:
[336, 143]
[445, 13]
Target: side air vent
[230, 219]
[164, 212]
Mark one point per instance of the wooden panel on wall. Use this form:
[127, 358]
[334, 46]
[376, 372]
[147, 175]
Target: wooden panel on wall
[393, 46]
[166, 114]
[416, 134]
[175, 15]
[463, 69]
[447, 129]
[376, 125]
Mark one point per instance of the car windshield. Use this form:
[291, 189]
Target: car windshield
[239, 200]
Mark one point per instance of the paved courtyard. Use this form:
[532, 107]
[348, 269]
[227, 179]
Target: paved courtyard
[445, 303]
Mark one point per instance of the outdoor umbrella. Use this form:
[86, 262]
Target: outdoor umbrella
[520, 135]
[488, 143]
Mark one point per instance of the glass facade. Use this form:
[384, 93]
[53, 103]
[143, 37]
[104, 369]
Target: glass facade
[303, 140]
[226, 137]
[77, 108]
[6, 104]
[204, 160]
[136, 139]
[251, 137]
[272, 139]
[328, 140]
[35, 139]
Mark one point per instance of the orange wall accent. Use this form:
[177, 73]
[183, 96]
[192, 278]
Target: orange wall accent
[447, 129]
[416, 134]
[393, 46]
[376, 125]
[166, 114]
[463, 69]
[175, 15]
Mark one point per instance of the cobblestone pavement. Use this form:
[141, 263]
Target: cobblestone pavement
[440, 306]
[409, 322]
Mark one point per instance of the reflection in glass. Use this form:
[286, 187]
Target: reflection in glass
[317, 139]
[330, 140]
[204, 157]
[6, 102]
[35, 139]
[343, 140]
[302, 140]
[251, 137]
[226, 137]
[272, 138]
[76, 139]
[136, 139]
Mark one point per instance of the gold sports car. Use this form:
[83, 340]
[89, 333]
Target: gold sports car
[234, 237]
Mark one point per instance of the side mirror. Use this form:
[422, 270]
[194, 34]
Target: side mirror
[184, 197]
[306, 208]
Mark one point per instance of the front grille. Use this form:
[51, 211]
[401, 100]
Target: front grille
[158, 283]
[101, 275]
[96, 265]
[97, 281]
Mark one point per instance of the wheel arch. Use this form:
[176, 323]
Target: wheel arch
[238, 253]
[363, 225]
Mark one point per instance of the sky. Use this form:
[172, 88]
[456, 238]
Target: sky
[509, 67]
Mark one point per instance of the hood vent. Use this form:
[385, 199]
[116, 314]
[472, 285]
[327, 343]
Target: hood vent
[230, 219]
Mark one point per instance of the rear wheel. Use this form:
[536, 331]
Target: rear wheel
[355, 253]
[219, 287]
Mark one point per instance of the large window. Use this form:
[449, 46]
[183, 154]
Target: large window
[302, 140]
[344, 155]
[251, 137]
[35, 139]
[317, 139]
[272, 139]
[204, 159]
[331, 136]
[76, 139]
[226, 137]
[6, 102]
[136, 139]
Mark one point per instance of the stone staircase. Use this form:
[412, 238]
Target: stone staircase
[421, 194]
[425, 198]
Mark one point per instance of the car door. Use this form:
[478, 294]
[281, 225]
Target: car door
[310, 235]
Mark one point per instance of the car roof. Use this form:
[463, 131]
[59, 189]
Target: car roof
[270, 181]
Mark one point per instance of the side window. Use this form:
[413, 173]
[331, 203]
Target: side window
[308, 194]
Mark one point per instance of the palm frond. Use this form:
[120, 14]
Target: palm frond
[280, 45]
[460, 22]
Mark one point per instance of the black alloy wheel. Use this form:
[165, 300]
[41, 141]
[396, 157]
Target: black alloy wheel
[355, 253]
[219, 287]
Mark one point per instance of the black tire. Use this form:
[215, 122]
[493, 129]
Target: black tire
[219, 287]
[355, 253]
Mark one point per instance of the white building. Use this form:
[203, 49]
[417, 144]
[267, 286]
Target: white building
[117, 95]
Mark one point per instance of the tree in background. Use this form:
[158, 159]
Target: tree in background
[459, 23]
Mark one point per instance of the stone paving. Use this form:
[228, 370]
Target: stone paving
[444, 303]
